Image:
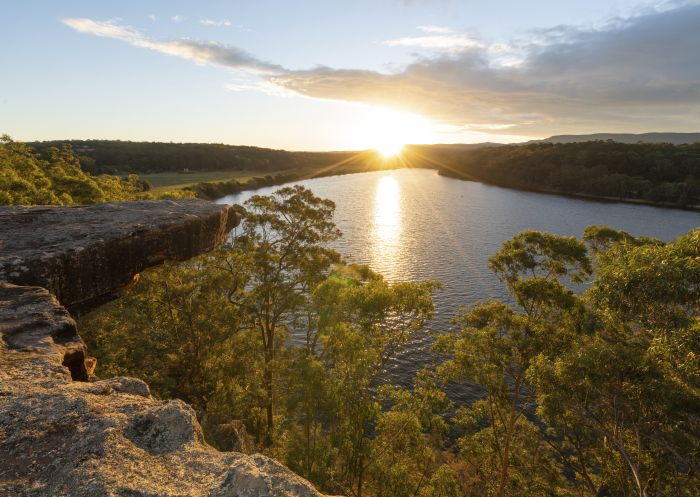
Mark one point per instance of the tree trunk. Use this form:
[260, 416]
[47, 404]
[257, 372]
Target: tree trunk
[505, 460]
[269, 401]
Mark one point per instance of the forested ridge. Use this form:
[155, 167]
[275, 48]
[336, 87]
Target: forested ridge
[58, 179]
[648, 172]
[653, 172]
[117, 156]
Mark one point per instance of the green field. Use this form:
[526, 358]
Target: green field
[178, 180]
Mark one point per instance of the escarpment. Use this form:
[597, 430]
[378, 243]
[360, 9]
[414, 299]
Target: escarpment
[60, 436]
[84, 254]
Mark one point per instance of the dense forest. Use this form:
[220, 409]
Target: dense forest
[648, 172]
[116, 156]
[652, 172]
[27, 179]
[586, 394]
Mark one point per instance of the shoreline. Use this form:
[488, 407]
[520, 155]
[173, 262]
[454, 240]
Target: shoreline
[259, 182]
[582, 196]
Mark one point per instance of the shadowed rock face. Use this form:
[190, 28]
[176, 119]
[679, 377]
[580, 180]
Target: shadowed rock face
[84, 254]
[61, 437]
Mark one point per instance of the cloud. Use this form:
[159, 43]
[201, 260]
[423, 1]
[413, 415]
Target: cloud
[638, 73]
[430, 28]
[152, 17]
[177, 18]
[448, 42]
[214, 22]
[632, 74]
[201, 52]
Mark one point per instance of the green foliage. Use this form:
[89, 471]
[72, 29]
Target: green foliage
[117, 156]
[590, 392]
[173, 331]
[654, 172]
[216, 332]
[27, 179]
[275, 263]
[362, 322]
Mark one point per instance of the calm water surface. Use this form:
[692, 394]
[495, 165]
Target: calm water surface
[412, 224]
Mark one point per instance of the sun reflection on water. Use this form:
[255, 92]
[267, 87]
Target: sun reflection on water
[387, 226]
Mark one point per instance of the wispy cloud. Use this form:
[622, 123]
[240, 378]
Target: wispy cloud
[177, 18]
[201, 52]
[448, 42]
[263, 86]
[215, 22]
[152, 17]
[430, 28]
[634, 74]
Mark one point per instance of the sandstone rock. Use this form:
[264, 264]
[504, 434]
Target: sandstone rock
[61, 437]
[84, 254]
[39, 337]
[234, 436]
[132, 386]
[165, 428]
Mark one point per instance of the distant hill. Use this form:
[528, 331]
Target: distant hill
[457, 146]
[660, 173]
[118, 157]
[673, 138]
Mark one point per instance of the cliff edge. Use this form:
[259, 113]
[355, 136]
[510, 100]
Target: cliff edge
[63, 436]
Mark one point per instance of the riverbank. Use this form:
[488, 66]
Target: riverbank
[584, 196]
[212, 190]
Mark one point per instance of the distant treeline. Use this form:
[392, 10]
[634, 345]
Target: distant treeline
[116, 156]
[27, 179]
[212, 190]
[649, 172]
[646, 172]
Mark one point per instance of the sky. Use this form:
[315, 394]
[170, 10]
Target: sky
[347, 75]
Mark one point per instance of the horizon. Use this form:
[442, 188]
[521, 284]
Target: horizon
[364, 149]
[374, 75]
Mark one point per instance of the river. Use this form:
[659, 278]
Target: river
[413, 224]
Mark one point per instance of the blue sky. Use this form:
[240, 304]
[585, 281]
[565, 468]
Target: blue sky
[347, 75]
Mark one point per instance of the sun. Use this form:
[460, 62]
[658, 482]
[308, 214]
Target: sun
[389, 149]
[388, 130]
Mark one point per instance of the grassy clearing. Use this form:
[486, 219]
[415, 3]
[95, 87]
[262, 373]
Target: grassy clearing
[179, 180]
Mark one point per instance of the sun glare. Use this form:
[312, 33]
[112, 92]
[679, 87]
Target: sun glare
[389, 149]
[387, 131]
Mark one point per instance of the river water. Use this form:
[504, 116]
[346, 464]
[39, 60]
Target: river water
[412, 224]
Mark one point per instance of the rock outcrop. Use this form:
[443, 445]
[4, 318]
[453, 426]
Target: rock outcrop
[62, 437]
[84, 254]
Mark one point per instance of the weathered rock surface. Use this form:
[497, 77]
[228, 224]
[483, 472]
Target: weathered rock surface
[61, 437]
[83, 254]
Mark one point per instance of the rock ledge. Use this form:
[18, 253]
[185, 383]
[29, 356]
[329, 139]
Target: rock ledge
[61, 437]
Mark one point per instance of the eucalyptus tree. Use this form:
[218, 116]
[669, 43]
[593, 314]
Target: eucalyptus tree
[496, 345]
[595, 393]
[363, 322]
[624, 404]
[275, 262]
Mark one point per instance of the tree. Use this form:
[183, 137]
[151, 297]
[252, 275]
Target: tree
[362, 322]
[27, 179]
[495, 348]
[275, 264]
[624, 403]
[172, 329]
